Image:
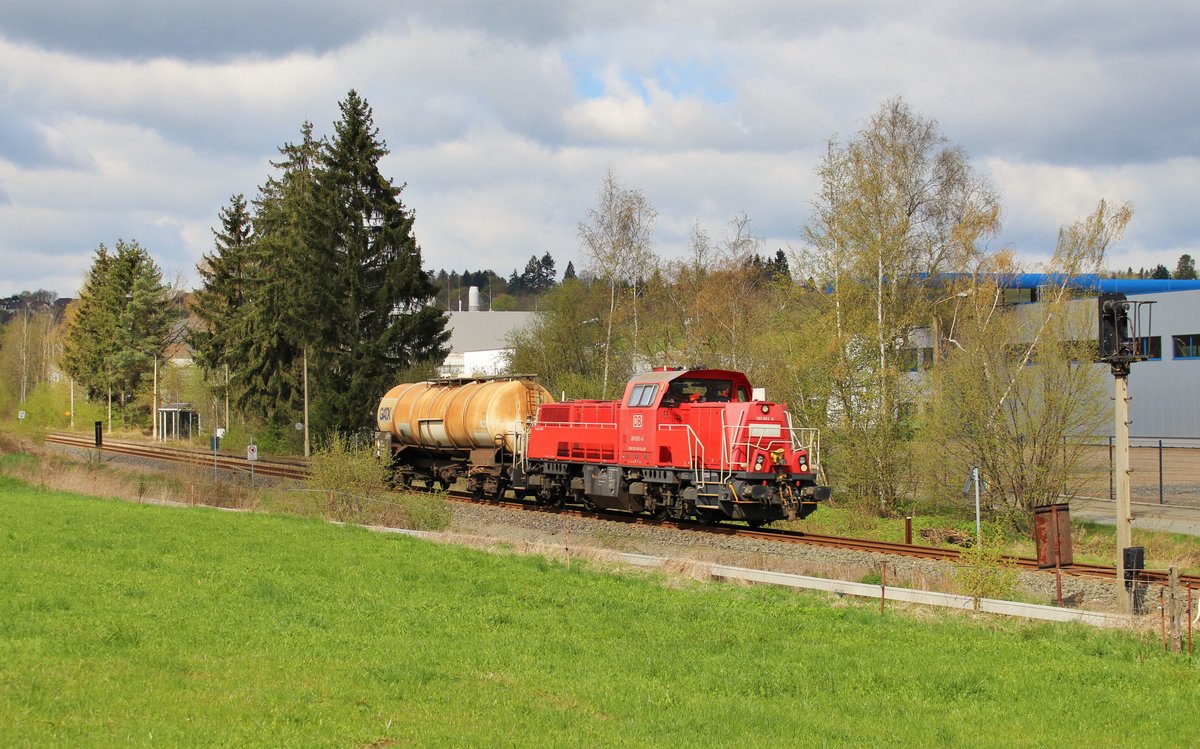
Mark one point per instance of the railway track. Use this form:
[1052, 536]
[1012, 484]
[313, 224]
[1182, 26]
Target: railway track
[296, 469]
[225, 461]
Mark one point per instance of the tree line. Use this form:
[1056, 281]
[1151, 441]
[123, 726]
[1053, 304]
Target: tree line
[517, 292]
[1185, 270]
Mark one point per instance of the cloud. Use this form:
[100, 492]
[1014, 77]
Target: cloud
[138, 120]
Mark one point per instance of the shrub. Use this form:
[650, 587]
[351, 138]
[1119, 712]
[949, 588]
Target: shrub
[339, 466]
[982, 573]
[357, 480]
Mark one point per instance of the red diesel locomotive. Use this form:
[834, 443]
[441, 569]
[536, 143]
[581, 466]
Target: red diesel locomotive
[679, 444]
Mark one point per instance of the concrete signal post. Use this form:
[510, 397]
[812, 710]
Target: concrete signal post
[1120, 336]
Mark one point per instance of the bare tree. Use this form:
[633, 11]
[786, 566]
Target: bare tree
[616, 244]
[898, 206]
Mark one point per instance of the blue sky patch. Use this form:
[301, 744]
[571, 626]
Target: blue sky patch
[680, 78]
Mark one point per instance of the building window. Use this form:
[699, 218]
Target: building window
[914, 359]
[1150, 346]
[1187, 346]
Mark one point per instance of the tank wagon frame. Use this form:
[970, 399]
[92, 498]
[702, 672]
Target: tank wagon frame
[679, 444]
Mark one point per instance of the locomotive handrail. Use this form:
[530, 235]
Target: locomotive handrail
[575, 424]
[799, 438]
[696, 467]
[727, 449]
[812, 446]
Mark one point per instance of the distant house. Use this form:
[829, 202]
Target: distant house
[478, 341]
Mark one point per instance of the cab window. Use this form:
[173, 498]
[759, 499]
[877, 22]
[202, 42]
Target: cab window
[643, 395]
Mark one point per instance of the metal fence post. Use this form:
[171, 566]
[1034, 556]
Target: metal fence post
[1160, 472]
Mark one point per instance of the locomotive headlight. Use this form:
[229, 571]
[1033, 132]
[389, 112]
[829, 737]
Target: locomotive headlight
[765, 408]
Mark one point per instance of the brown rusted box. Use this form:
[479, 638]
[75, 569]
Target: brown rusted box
[1052, 531]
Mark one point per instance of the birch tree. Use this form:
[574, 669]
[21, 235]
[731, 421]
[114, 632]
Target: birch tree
[898, 205]
[615, 239]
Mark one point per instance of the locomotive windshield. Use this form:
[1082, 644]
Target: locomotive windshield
[692, 390]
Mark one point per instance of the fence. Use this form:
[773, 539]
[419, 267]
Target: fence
[1174, 606]
[1163, 471]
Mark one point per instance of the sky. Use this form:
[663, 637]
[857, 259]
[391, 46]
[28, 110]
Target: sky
[130, 119]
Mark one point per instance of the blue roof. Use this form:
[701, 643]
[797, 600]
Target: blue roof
[1091, 282]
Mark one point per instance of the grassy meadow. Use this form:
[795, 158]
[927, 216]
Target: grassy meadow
[135, 625]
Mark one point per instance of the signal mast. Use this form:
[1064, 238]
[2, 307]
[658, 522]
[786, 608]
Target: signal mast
[1120, 345]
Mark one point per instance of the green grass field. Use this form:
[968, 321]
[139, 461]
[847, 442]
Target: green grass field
[125, 624]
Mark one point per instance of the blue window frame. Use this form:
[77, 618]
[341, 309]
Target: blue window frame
[1150, 346]
[1187, 346]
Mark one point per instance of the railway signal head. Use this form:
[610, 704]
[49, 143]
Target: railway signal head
[1113, 334]
[1119, 332]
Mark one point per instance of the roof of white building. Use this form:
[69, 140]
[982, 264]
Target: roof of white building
[484, 331]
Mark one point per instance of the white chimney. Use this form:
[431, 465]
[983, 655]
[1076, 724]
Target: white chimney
[473, 299]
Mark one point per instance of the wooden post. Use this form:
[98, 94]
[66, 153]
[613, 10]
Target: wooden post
[1057, 559]
[329, 515]
[1175, 599]
[1121, 480]
[1162, 619]
[882, 587]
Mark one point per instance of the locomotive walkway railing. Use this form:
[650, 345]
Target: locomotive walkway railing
[694, 446]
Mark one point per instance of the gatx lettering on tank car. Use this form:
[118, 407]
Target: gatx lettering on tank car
[679, 444]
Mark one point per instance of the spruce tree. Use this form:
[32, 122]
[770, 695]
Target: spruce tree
[378, 319]
[286, 284]
[547, 272]
[221, 301]
[88, 344]
[124, 322]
